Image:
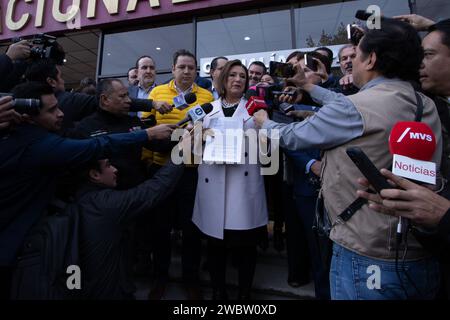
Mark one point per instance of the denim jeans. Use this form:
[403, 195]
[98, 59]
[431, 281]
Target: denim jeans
[356, 277]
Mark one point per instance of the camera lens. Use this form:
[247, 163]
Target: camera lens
[27, 106]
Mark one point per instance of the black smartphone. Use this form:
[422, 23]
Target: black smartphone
[281, 70]
[310, 63]
[292, 93]
[368, 169]
[354, 35]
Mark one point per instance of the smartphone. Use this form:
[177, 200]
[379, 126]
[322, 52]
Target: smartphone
[310, 63]
[286, 107]
[281, 70]
[368, 169]
[354, 35]
[292, 94]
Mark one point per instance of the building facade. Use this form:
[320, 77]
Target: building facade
[103, 38]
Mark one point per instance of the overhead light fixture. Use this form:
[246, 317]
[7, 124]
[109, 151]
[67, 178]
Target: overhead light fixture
[247, 38]
[158, 48]
[108, 54]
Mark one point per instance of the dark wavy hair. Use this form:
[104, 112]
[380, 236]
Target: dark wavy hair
[398, 49]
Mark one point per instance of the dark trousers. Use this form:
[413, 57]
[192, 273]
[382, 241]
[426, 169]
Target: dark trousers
[217, 262]
[176, 212]
[5, 283]
[298, 255]
[306, 211]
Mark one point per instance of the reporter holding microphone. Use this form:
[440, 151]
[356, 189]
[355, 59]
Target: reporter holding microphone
[366, 238]
[230, 203]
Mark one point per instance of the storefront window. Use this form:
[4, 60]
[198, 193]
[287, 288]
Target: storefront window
[121, 50]
[318, 24]
[250, 31]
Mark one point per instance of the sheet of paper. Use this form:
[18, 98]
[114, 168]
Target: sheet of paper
[226, 144]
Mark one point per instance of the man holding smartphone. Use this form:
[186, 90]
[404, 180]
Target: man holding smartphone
[382, 71]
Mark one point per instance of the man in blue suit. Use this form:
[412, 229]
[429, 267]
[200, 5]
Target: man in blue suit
[146, 76]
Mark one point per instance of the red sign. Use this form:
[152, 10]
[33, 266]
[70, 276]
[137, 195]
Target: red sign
[27, 17]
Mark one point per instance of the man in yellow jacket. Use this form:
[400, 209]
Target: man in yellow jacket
[176, 211]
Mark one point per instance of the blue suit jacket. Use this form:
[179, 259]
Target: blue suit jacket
[302, 186]
[133, 91]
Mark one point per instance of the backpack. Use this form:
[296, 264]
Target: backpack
[50, 248]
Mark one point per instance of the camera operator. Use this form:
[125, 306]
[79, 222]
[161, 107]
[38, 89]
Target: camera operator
[75, 106]
[33, 156]
[382, 71]
[7, 113]
[11, 66]
[105, 216]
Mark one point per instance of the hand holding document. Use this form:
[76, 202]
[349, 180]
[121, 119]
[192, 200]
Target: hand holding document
[227, 142]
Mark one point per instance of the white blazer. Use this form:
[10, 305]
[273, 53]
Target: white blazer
[230, 196]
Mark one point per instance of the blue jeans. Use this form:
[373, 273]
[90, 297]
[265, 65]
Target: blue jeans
[356, 277]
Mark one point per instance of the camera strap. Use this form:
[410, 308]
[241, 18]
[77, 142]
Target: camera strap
[348, 212]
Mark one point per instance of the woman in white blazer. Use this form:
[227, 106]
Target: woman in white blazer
[230, 204]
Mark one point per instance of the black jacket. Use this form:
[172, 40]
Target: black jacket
[30, 161]
[75, 106]
[104, 217]
[11, 73]
[132, 170]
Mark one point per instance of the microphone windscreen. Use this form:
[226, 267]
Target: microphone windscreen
[190, 98]
[207, 107]
[251, 93]
[412, 139]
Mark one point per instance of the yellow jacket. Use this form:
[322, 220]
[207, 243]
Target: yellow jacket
[167, 92]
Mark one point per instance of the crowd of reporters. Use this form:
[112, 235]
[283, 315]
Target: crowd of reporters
[92, 151]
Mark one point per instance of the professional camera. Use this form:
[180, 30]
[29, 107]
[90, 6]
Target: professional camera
[25, 106]
[46, 47]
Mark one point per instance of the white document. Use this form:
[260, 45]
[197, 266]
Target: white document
[226, 144]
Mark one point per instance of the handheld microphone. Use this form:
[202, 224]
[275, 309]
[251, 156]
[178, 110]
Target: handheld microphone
[251, 93]
[197, 113]
[412, 145]
[254, 104]
[412, 139]
[183, 101]
[138, 105]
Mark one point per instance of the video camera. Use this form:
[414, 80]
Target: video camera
[45, 46]
[25, 106]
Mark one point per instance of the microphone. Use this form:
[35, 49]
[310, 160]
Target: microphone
[412, 139]
[138, 105]
[254, 104]
[412, 145]
[183, 101]
[251, 93]
[197, 113]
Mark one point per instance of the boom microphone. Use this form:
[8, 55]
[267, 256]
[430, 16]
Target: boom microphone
[197, 113]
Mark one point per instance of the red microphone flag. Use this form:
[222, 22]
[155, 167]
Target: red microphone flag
[412, 139]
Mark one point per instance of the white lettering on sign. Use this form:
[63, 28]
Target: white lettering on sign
[406, 167]
[67, 14]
